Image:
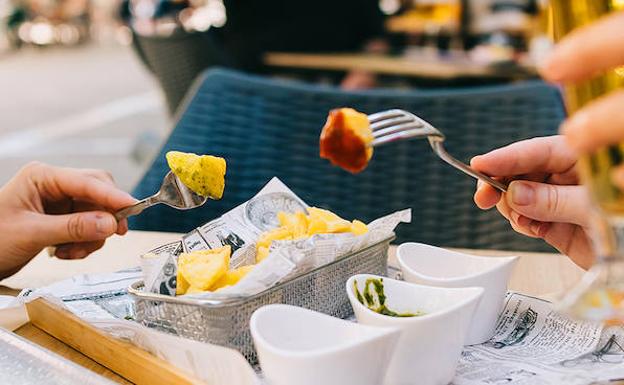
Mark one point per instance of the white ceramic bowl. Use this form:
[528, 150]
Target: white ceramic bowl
[297, 346]
[434, 266]
[430, 345]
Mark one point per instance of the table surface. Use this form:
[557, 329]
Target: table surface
[539, 274]
[419, 66]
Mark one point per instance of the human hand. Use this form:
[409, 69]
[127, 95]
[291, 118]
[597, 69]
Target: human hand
[544, 199]
[581, 55]
[43, 206]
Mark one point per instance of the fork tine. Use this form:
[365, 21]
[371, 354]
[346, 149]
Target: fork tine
[374, 118]
[396, 128]
[400, 135]
[391, 122]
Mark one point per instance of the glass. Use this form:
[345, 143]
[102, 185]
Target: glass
[600, 295]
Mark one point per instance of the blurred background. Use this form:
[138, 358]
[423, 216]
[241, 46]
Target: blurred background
[96, 83]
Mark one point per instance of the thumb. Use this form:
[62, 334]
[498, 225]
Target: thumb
[77, 227]
[550, 203]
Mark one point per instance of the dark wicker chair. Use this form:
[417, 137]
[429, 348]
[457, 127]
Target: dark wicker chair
[178, 59]
[267, 128]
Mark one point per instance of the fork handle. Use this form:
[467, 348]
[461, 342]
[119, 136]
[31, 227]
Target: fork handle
[136, 208]
[445, 156]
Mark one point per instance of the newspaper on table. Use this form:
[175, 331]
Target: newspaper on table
[103, 301]
[532, 345]
[241, 227]
[535, 345]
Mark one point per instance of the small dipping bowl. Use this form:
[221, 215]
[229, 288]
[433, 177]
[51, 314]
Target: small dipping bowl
[430, 344]
[434, 266]
[304, 347]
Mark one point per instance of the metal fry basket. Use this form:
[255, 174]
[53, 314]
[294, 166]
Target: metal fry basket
[226, 322]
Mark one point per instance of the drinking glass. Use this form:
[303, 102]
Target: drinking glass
[600, 294]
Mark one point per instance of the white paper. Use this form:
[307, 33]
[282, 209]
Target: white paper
[554, 350]
[102, 300]
[241, 227]
[534, 345]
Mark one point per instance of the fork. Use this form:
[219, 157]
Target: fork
[172, 192]
[395, 125]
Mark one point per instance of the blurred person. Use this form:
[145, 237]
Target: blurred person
[548, 201]
[44, 206]
[256, 27]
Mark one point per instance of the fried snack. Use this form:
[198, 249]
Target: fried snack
[202, 269]
[231, 277]
[299, 225]
[346, 139]
[203, 174]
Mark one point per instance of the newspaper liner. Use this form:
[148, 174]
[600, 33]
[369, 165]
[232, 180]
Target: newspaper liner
[241, 227]
[103, 301]
[533, 344]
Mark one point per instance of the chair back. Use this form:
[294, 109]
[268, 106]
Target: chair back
[178, 59]
[266, 127]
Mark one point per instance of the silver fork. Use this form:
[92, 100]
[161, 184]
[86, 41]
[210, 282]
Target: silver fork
[172, 192]
[394, 125]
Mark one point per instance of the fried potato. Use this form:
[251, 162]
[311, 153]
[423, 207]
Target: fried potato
[202, 269]
[278, 234]
[261, 253]
[358, 227]
[231, 277]
[182, 286]
[299, 225]
[205, 174]
[334, 224]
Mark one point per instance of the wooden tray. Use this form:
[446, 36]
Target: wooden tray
[121, 357]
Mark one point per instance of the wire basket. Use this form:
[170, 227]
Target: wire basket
[226, 322]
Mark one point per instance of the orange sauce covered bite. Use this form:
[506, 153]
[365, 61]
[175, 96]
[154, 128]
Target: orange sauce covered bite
[346, 139]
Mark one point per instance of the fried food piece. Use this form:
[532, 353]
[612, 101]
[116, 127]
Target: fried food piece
[182, 286]
[203, 174]
[231, 277]
[358, 227]
[332, 222]
[202, 269]
[299, 225]
[346, 139]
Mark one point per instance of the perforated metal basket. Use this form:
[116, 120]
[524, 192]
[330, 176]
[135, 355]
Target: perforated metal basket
[226, 322]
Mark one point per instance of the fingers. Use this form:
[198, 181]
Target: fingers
[486, 196]
[617, 176]
[102, 175]
[549, 203]
[122, 226]
[572, 241]
[60, 183]
[596, 125]
[587, 51]
[548, 154]
[73, 228]
[77, 250]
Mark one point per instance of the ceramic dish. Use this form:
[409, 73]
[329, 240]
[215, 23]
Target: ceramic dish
[430, 344]
[434, 266]
[304, 347]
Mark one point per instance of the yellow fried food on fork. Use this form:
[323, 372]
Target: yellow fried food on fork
[204, 175]
[202, 269]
